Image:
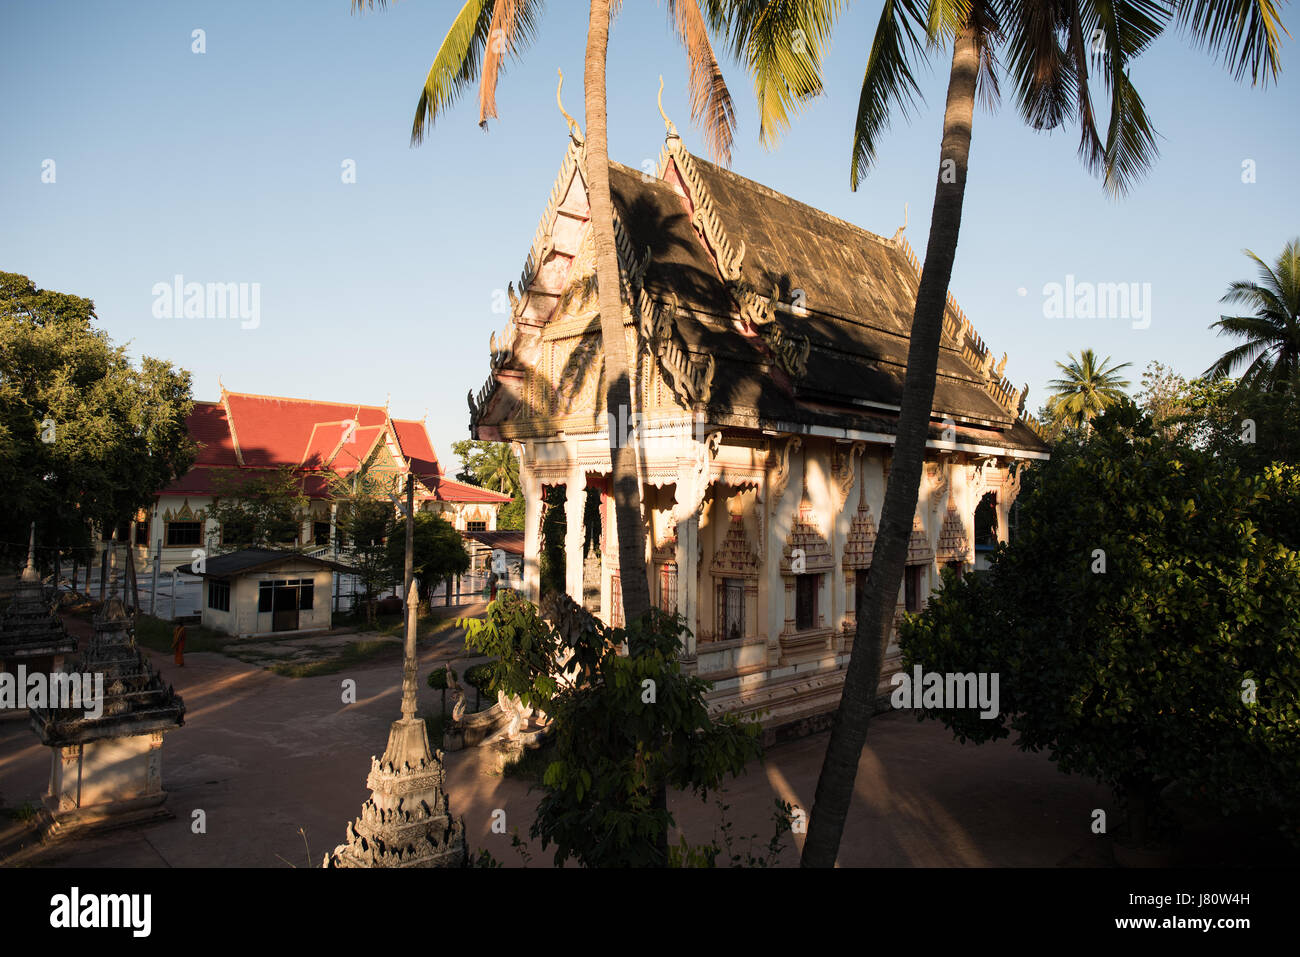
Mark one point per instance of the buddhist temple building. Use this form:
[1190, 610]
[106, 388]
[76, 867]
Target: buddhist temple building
[768, 342]
[107, 763]
[322, 442]
[31, 633]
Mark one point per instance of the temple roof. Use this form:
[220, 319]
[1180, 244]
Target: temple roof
[803, 319]
[259, 432]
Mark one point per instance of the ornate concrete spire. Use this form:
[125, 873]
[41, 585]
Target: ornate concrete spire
[406, 822]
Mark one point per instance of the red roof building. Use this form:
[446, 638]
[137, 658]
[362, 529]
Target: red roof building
[247, 433]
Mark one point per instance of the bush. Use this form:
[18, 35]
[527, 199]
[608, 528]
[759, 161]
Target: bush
[1145, 625]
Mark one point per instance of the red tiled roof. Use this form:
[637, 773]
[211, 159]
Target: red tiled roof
[449, 490]
[260, 432]
[210, 431]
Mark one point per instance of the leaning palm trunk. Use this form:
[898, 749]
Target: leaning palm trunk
[876, 600]
[627, 495]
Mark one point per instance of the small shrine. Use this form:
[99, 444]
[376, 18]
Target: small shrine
[107, 768]
[31, 633]
[406, 821]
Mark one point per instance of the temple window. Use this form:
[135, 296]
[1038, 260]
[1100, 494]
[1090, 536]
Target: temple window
[476, 526]
[320, 532]
[912, 579]
[668, 587]
[805, 603]
[180, 534]
[616, 601]
[731, 609]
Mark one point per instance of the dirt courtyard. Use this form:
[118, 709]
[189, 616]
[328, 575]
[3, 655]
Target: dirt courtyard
[277, 765]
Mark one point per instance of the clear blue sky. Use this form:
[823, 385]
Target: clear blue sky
[226, 167]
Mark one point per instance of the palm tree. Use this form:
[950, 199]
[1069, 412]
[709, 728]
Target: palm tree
[1049, 46]
[1271, 350]
[481, 35]
[492, 465]
[1086, 390]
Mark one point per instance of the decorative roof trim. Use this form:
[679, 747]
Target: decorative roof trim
[974, 350]
[791, 354]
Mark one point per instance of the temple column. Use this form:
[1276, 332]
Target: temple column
[531, 486]
[575, 500]
[1003, 507]
[688, 498]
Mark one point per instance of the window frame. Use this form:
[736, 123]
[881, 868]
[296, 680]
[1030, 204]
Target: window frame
[167, 534]
[812, 585]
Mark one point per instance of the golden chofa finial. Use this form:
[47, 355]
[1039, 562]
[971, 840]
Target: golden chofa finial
[668, 124]
[574, 130]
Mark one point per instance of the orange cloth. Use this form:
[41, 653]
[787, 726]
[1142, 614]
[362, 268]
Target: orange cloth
[178, 644]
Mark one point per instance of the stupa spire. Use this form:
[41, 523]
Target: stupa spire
[30, 574]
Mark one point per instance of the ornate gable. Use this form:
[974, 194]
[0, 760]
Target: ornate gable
[734, 557]
[918, 547]
[861, 541]
[805, 534]
[952, 539]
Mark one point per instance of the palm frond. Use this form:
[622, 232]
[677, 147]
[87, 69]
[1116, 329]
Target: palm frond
[513, 25]
[1244, 34]
[1039, 63]
[711, 104]
[455, 67]
[1092, 153]
[889, 80]
[1126, 28]
[1266, 302]
[782, 43]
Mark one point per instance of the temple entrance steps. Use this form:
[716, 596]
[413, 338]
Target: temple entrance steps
[796, 704]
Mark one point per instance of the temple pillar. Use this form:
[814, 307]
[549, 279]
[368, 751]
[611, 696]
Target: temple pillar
[1003, 507]
[575, 500]
[531, 487]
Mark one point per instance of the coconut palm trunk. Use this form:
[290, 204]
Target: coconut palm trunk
[875, 602]
[618, 390]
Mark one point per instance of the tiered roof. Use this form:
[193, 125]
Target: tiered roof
[762, 312]
[243, 431]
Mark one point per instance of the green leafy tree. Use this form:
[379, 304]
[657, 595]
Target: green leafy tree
[491, 465]
[1086, 389]
[1253, 428]
[494, 465]
[510, 517]
[86, 438]
[263, 509]
[439, 550]
[1145, 625]
[625, 726]
[1271, 350]
[631, 726]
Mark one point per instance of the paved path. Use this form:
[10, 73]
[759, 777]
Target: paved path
[265, 756]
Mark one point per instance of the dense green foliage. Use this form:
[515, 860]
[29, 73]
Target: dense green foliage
[263, 509]
[85, 436]
[1145, 623]
[627, 722]
[438, 549]
[494, 465]
[628, 726]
